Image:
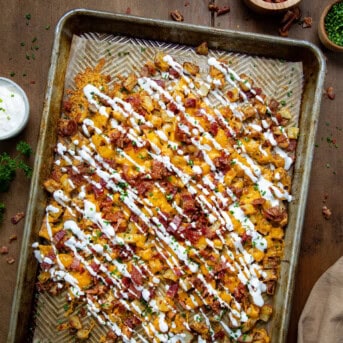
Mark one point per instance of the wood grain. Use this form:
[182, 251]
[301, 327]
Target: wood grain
[322, 242]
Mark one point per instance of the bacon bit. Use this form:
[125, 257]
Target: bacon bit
[307, 22]
[202, 49]
[10, 260]
[172, 290]
[132, 322]
[126, 282]
[143, 187]
[32, 82]
[223, 10]
[172, 107]
[17, 218]
[111, 336]
[181, 135]
[58, 238]
[95, 266]
[128, 10]
[177, 272]
[246, 238]
[192, 235]
[134, 293]
[188, 203]
[258, 201]
[214, 128]
[271, 285]
[119, 139]
[176, 15]
[136, 276]
[4, 250]
[326, 212]
[330, 92]
[273, 105]
[288, 19]
[275, 214]
[190, 103]
[67, 127]
[158, 171]
[174, 73]
[292, 145]
[75, 265]
[219, 335]
[13, 238]
[240, 292]
[161, 83]
[67, 106]
[174, 224]
[222, 162]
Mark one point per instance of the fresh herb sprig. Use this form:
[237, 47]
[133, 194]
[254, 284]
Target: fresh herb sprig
[9, 165]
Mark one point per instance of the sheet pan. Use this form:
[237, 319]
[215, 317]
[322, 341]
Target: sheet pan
[84, 21]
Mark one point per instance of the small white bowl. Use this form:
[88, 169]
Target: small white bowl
[13, 102]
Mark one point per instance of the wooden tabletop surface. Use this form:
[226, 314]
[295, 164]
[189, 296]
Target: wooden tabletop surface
[27, 30]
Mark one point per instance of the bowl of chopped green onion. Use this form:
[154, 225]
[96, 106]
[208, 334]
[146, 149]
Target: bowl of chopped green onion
[330, 28]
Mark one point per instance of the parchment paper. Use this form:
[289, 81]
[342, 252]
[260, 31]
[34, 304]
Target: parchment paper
[279, 79]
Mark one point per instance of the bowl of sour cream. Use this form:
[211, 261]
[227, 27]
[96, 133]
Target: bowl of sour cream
[14, 108]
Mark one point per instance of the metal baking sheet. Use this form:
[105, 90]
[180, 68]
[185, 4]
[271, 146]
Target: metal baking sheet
[84, 21]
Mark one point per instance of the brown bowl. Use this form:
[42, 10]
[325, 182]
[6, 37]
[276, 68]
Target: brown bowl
[264, 7]
[322, 32]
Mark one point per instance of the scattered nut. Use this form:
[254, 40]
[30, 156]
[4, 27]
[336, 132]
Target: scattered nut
[202, 49]
[176, 15]
[330, 92]
[187, 3]
[10, 260]
[223, 10]
[326, 212]
[307, 22]
[13, 238]
[128, 10]
[3, 250]
[17, 218]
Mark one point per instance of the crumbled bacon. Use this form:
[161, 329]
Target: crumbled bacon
[144, 186]
[246, 238]
[214, 128]
[67, 106]
[174, 73]
[222, 162]
[158, 171]
[4, 250]
[172, 290]
[174, 224]
[132, 322]
[240, 292]
[58, 238]
[190, 103]
[258, 201]
[181, 135]
[119, 139]
[95, 266]
[17, 217]
[275, 214]
[161, 83]
[273, 105]
[67, 127]
[75, 265]
[136, 276]
[292, 145]
[172, 107]
[188, 203]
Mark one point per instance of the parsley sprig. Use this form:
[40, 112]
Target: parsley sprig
[9, 165]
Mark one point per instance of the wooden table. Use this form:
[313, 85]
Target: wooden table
[26, 31]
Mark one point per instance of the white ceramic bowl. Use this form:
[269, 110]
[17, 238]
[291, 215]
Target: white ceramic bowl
[13, 102]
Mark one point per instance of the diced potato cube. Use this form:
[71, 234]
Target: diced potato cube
[266, 312]
[285, 113]
[293, 132]
[130, 82]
